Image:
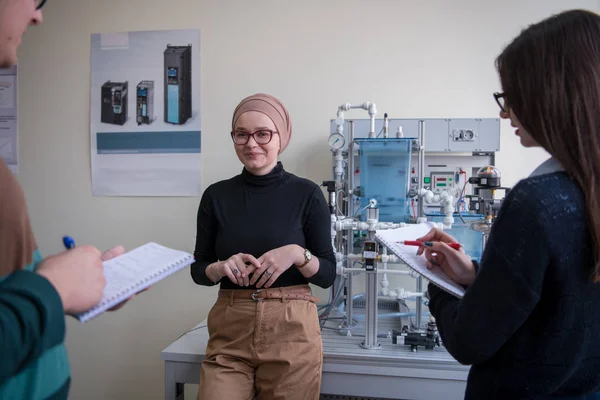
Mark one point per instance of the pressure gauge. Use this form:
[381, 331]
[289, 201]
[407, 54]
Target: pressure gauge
[336, 141]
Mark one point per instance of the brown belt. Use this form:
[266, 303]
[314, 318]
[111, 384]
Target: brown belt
[301, 292]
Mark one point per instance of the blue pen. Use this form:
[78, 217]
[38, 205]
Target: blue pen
[68, 242]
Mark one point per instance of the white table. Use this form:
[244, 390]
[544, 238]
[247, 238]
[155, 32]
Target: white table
[392, 371]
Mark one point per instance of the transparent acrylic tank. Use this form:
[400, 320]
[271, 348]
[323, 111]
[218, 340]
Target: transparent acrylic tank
[470, 240]
[385, 176]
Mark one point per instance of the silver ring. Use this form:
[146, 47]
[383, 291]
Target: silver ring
[268, 273]
[235, 271]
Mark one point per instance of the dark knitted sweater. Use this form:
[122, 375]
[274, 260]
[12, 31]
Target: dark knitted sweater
[530, 322]
[255, 214]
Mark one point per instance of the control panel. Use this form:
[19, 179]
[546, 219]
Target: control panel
[447, 172]
[172, 78]
[438, 181]
[446, 180]
[117, 94]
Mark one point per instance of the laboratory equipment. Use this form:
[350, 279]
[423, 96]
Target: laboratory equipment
[145, 102]
[178, 84]
[114, 103]
[484, 200]
[383, 161]
[429, 339]
[429, 170]
[336, 141]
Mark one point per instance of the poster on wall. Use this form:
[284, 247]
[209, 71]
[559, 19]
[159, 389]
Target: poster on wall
[8, 118]
[145, 113]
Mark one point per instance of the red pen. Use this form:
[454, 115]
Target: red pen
[455, 246]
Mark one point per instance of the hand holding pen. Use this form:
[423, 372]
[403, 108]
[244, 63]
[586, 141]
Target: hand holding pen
[116, 251]
[443, 251]
[77, 277]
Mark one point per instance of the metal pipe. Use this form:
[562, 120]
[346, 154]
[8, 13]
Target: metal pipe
[371, 312]
[349, 299]
[371, 308]
[421, 167]
[418, 309]
[350, 213]
[387, 271]
[350, 166]
[419, 306]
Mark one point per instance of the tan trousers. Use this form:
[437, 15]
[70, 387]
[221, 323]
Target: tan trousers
[263, 349]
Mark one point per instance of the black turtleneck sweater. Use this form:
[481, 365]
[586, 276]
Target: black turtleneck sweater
[255, 214]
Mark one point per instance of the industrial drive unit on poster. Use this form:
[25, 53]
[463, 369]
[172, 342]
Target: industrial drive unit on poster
[145, 102]
[178, 84]
[114, 103]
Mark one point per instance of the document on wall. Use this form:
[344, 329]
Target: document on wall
[8, 118]
[145, 113]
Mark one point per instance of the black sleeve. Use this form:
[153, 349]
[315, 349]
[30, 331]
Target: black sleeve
[506, 289]
[204, 252]
[317, 231]
[32, 320]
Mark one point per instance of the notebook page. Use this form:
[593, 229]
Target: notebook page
[393, 239]
[138, 265]
[135, 270]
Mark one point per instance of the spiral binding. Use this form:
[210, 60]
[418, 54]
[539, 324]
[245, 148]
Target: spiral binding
[136, 287]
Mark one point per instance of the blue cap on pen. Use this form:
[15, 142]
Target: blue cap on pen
[68, 242]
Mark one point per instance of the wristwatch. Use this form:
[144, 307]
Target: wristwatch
[307, 258]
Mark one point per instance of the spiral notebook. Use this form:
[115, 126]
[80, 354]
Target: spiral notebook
[136, 270]
[393, 239]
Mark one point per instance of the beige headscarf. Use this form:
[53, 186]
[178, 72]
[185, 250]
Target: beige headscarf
[272, 108]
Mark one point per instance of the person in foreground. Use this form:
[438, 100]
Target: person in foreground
[36, 294]
[529, 321]
[264, 235]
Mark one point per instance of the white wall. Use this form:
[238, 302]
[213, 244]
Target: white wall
[413, 58]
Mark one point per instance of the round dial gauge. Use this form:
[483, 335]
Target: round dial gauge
[336, 141]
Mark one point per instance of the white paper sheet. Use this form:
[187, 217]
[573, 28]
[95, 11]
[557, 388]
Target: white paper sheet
[393, 239]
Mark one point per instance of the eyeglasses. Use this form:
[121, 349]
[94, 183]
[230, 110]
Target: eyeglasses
[501, 100]
[39, 4]
[262, 136]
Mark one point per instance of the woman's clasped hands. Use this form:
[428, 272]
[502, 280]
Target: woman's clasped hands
[455, 263]
[245, 269]
[274, 263]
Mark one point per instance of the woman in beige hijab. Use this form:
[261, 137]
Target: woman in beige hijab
[263, 235]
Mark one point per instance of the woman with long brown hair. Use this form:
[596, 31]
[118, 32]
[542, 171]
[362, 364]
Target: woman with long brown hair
[529, 322]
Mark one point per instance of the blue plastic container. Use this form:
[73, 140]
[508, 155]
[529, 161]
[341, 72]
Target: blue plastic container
[385, 166]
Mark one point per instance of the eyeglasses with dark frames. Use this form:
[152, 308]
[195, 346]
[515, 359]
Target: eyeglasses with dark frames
[39, 4]
[262, 136]
[501, 100]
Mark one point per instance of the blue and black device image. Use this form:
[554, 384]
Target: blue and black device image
[145, 102]
[114, 103]
[178, 84]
